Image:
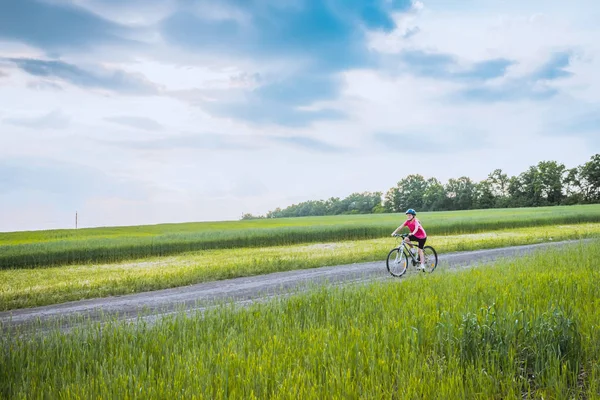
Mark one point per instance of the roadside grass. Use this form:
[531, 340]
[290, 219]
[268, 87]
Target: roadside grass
[105, 245]
[525, 328]
[20, 288]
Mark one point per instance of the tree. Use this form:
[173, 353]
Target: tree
[499, 182]
[434, 198]
[525, 190]
[362, 203]
[408, 193]
[460, 193]
[334, 206]
[551, 177]
[572, 186]
[484, 195]
[246, 216]
[590, 179]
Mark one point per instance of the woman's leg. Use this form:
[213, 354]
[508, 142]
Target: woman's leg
[421, 253]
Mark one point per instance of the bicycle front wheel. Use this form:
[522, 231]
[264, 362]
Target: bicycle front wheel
[397, 262]
[431, 258]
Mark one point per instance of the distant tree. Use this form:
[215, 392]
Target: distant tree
[572, 186]
[408, 193]
[362, 203]
[526, 189]
[379, 209]
[499, 183]
[434, 197]
[392, 200]
[551, 177]
[250, 216]
[356, 203]
[590, 179]
[484, 195]
[499, 186]
[334, 206]
[460, 193]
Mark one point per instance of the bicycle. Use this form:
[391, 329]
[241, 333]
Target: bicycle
[398, 258]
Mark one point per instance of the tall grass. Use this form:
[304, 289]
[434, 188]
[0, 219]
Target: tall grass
[36, 249]
[35, 287]
[524, 329]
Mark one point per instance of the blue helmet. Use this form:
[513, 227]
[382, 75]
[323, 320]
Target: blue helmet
[411, 211]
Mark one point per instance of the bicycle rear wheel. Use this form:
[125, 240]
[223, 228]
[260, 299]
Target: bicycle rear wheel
[397, 262]
[431, 258]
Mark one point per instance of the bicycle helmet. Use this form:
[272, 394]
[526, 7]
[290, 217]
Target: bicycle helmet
[411, 211]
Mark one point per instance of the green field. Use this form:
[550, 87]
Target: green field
[522, 329]
[105, 245]
[41, 286]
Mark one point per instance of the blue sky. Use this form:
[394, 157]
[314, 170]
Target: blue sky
[135, 112]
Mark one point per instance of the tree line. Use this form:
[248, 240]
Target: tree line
[548, 183]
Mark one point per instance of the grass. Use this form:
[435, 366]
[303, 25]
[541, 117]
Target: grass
[21, 288]
[106, 245]
[522, 329]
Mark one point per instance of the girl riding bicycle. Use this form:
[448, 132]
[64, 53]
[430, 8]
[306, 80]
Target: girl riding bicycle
[417, 233]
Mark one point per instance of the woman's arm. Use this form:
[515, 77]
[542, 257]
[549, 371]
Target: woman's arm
[417, 226]
[399, 228]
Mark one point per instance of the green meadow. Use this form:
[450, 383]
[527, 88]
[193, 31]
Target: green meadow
[526, 328]
[108, 245]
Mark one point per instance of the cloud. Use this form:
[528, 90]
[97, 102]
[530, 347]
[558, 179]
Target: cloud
[410, 32]
[307, 143]
[44, 85]
[326, 32]
[488, 69]
[204, 141]
[70, 182]
[136, 122]
[99, 78]
[514, 90]
[280, 100]
[532, 86]
[584, 125]
[57, 26]
[451, 140]
[446, 66]
[555, 67]
[316, 39]
[52, 120]
[3, 74]
[588, 123]
[130, 12]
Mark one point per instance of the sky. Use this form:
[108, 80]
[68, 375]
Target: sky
[136, 112]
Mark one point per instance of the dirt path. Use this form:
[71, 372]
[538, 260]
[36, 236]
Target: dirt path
[240, 290]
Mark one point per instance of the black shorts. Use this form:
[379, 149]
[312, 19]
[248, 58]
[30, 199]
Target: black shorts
[413, 238]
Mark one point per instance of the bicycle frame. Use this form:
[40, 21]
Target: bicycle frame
[406, 250]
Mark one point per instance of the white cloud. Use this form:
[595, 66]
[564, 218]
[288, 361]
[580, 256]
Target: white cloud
[52, 120]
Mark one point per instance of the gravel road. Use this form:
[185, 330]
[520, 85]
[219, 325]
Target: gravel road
[239, 290]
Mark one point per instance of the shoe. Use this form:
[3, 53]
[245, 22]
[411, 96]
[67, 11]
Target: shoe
[422, 267]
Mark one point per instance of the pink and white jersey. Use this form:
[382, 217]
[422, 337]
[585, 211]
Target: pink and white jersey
[412, 224]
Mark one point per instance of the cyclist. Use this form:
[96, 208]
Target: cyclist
[417, 233]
